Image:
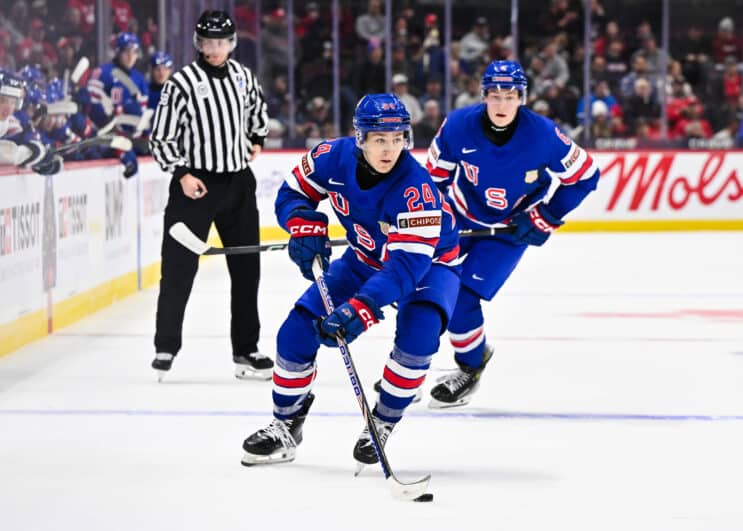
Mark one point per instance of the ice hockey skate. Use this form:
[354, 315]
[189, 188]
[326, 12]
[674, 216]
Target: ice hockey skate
[416, 398]
[363, 451]
[254, 366]
[162, 363]
[276, 443]
[457, 388]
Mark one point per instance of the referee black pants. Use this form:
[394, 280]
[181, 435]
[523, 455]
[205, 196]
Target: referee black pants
[230, 203]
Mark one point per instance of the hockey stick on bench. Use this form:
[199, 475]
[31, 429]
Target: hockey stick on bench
[183, 235]
[111, 141]
[401, 491]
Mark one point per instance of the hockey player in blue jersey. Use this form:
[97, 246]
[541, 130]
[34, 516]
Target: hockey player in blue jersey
[161, 66]
[403, 247]
[118, 88]
[19, 148]
[497, 161]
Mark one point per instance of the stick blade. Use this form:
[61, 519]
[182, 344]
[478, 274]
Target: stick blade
[183, 235]
[408, 491]
[80, 68]
[122, 143]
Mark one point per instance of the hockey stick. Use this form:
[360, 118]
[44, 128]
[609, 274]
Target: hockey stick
[401, 491]
[131, 120]
[183, 235]
[124, 78]
[111, 141]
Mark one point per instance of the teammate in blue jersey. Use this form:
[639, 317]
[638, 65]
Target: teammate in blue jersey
[497, 162]
[16, 148]
[161, 66]
[118, 88]
[403, 247]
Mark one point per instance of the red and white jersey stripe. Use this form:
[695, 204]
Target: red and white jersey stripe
[578, 164]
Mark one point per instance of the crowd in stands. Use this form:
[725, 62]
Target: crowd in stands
[703, 77]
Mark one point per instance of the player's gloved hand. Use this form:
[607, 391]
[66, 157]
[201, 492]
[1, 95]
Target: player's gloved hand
[535, 225]
[129, 160]
[49, 165]
[33, 152]
[309, 231]
[349, 320]
[81, 97]
[79, 124]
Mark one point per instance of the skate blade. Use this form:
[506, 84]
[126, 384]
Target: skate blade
[359, 468]
[438, 404]
[253, 459]
[160, 375]
[248, 373]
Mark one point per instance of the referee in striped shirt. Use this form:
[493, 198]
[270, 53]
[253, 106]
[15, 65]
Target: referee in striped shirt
[209, 124]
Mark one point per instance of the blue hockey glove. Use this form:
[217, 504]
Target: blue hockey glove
[129, 160]
[309, 231]
[534, 226]
[349, 320]
[81, 97]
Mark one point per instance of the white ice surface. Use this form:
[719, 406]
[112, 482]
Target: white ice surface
[614, 402]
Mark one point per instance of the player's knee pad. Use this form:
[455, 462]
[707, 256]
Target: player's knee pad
[297, 339]
[419, 326]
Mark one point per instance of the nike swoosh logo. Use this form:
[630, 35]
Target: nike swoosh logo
[422, 288]
[466, 150]
[476, 277]
[336, 183]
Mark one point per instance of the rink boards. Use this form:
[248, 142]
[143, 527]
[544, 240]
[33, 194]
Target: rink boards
[76, 242]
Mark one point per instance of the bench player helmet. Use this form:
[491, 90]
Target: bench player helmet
[161, 59]
[504, 75]
[125, 41]
[12, 86]
[215, 24]
[378, 113]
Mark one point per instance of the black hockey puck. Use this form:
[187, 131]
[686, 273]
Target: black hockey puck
[427, 497]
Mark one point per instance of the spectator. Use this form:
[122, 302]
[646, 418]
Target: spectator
[370, 75]
[555, 66]
[543, 108]
[7, 61]
[275, 138]
[653, 56]
[474, 43]
[694, 51]
[641, 104]
[603, 94]
[616, 65]
[428, 126]
[678, 102]
[370, 25]
[34, 48]
[400, 89]
[639, 70]
[694, 125]
[121, 15]
[726, 43]
[433, 91]
[471, 93]
[275, 45]
[731, 83]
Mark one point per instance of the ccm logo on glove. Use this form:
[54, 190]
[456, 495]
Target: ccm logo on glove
[540, 222]
[364, 313]
[300, 227]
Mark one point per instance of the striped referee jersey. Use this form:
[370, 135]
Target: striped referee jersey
[208, 121]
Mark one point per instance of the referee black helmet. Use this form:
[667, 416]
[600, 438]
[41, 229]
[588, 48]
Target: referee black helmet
[215, 24]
